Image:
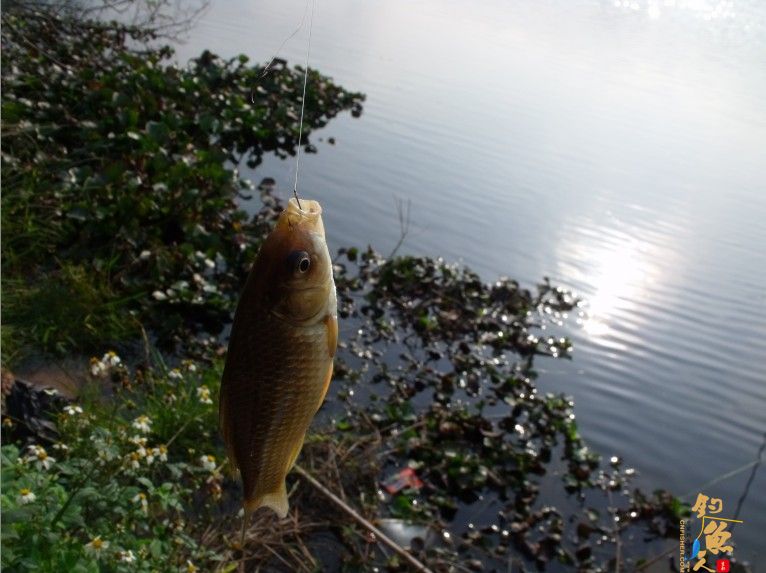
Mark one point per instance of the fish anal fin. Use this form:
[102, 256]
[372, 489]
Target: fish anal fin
[331, 323]
[294, 454]
[276, 501]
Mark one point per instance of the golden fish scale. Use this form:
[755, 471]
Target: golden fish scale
[272, 393]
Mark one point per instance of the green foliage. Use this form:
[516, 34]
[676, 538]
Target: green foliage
[137, 476]
[93, 314]
[120, 163]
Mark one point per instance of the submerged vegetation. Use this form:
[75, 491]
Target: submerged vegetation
[121, 223]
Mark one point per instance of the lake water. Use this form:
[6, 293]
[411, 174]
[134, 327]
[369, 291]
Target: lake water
[617, 147]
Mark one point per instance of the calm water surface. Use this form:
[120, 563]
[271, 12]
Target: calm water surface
[617, 147]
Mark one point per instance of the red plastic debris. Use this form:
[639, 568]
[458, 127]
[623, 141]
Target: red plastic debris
[405, 479]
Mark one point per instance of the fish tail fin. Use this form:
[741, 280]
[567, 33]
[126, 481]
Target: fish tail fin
[276, 500]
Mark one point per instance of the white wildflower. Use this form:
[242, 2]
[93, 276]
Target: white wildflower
[111, 359]
[61, 447]
[159, 295]
[134, 460]
[138, 440]
[73, 410]
[208, 462]
[96, 546]
[209, 264]
[140, 498]
[143, 424]
[126, 556]
[145, 255]
[26, 496]
[203, 393]
[175, 374]
[40, 457]
[97, 368]
[161, 452]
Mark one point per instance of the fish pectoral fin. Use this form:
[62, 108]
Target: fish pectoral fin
[277, 501]
[331, 323]
[326, 386]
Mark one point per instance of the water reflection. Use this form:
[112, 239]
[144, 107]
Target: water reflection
[700, 8]
[614, 146]
[619, 267]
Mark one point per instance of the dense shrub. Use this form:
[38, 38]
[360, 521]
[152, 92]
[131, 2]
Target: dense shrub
[119, 179]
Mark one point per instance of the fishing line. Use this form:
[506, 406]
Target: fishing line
[303, 106]
[267, 68]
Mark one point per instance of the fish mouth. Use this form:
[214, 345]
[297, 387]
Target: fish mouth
[306, 213]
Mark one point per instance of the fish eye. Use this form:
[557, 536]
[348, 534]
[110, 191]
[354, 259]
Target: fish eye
[299, 262]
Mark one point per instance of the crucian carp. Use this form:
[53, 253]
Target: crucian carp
[280, 358]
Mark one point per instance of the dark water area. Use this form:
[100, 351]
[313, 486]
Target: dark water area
[616, 147]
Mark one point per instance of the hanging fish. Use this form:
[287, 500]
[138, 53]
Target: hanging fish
[280, 358]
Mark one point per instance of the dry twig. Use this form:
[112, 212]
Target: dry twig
[407, 556]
